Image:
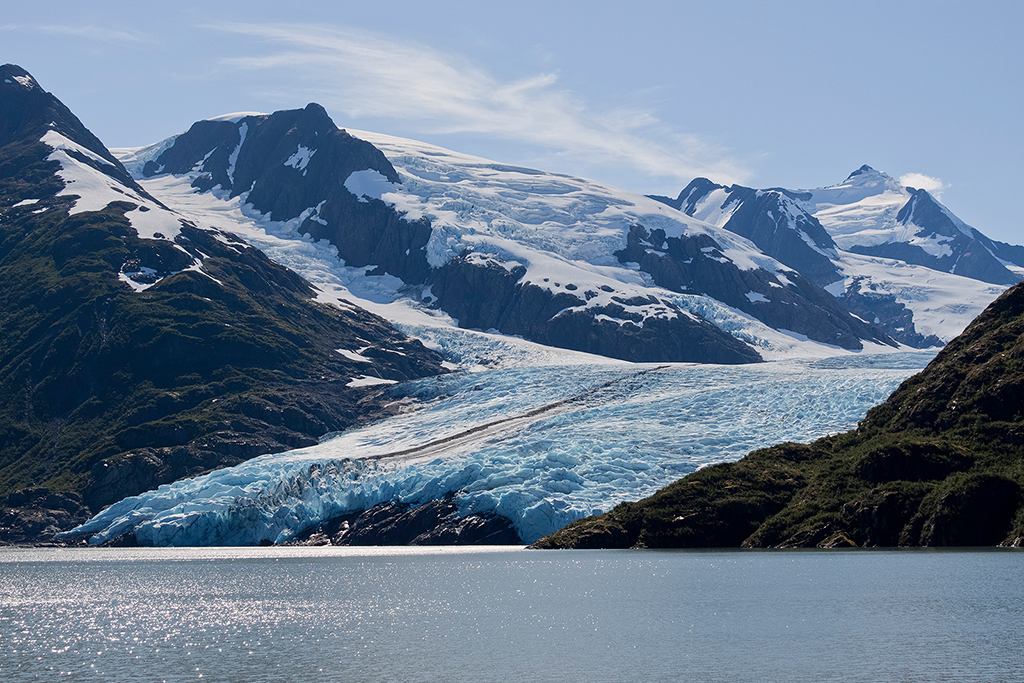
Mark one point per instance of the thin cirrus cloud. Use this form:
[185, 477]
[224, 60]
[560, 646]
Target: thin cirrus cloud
[364, 76]
[102, 34]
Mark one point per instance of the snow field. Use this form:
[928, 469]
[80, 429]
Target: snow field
[388, 297]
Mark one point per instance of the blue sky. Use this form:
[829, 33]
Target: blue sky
[642, 95]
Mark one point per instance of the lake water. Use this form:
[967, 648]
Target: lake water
[506, 614]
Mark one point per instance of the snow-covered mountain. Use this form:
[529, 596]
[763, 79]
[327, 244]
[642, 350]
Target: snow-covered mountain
[559, 260]
[212, 297]
[870, 213]
[890, 254]
[771, 219]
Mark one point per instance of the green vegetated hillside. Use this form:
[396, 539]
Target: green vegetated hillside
[108, 391]
[940, 463]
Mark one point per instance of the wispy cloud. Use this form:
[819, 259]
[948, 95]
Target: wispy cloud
[923, 182]
[103, 34]
[364, 75]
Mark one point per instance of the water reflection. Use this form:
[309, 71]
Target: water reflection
[372, 614]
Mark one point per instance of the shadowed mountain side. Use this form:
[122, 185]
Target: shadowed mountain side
[787, 301]
[485, 294]
[940, 463]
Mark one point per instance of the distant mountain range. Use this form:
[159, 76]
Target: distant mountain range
[858, 239]
[147, 336]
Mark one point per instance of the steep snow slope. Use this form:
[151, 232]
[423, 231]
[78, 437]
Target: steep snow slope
[941, 304]
[541, 446]
[862, 210]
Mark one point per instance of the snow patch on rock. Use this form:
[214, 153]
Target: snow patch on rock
[368, 184]
[300, 159]
[94, 190]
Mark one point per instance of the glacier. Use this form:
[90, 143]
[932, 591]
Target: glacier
[541, 436]
[542, 444]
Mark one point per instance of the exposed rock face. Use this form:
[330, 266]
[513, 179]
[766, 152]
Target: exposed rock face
[485, 294]
[772, 220]
[32, 514]
[937, 464]
[295, 164]
[784, 301]
[434, 523]
[883, 310]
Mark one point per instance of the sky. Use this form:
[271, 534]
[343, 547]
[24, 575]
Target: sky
[645, 96]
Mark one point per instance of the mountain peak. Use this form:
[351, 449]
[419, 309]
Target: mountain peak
[29, 114]
[14, 74]
[868, 174]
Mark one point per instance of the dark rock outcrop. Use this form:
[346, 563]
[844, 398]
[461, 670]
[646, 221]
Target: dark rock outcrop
[32, 514]
[696, 265]
[483, 293]
[436, 522]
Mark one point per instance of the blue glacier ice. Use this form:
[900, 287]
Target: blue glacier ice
[542, 446]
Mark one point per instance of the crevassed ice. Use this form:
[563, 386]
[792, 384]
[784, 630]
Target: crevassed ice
[543, 446]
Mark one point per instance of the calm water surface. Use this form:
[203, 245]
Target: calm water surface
[499, 614]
